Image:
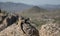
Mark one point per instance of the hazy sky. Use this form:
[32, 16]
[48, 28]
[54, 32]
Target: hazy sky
[34, 2]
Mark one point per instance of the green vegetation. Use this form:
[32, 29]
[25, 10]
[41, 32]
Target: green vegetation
[57, 20]
[2, 11]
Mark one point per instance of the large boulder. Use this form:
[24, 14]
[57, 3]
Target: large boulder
[10, 19]
[7, 20]
[27, 28]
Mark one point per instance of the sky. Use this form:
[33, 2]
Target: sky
[34, 2]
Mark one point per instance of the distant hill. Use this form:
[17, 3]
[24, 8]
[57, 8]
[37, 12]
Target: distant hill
[35, 9]
[17, 7]
[13, 7]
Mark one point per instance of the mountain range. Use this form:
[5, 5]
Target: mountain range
[17, 7]
[14, 7]
[51, 7]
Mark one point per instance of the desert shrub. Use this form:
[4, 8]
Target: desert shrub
[3, 11]
[39, 23]
[57, 20]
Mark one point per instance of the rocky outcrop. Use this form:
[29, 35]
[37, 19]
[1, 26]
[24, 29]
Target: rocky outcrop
[13, 30]
[15, 25]
[11, 19]
[28, 29]
[52, 29]
[2, 17]
[7, 20]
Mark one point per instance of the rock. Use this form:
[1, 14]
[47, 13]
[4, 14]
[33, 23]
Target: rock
[11, 19]
[2, 17]
[7, 20]
[51, 29]
[13, 30]
[28, 29]
[15, 25]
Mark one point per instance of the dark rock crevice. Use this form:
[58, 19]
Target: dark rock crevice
[11, 20]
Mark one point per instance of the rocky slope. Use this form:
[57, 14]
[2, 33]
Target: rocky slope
[15, 25]
[51, 29]
[11, 25]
